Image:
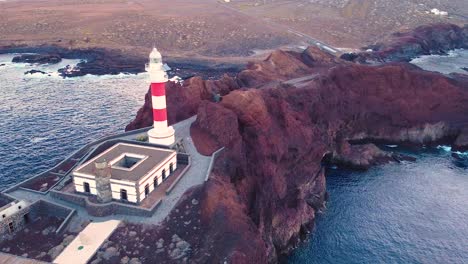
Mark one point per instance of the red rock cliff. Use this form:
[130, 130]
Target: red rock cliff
[278, 120]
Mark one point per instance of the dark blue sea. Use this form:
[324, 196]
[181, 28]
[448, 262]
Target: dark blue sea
[45, 118]
[414, 212]
[398, 213]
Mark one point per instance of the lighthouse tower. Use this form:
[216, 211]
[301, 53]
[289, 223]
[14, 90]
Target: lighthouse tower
[161, 133]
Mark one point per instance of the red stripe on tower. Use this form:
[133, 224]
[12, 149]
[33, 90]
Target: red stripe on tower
[158, 89]
[159, 114]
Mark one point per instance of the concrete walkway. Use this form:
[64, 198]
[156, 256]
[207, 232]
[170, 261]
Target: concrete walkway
[83, 247]
[194, 176]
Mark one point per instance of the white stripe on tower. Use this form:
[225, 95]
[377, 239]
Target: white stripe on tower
[159, 102]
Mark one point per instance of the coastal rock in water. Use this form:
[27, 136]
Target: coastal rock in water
[34, 71]
[424, 40]
[360, 156]
[461, 143]
[37, 58]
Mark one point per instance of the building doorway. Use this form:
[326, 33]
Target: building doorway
[164, 174]
[87, 189]
[155, 182]
[146, 190]
[171, 168]
[26, 218]
[123, 195]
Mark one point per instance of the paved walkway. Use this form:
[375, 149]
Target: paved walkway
[194, 176]
[12, 259]
[83, 247]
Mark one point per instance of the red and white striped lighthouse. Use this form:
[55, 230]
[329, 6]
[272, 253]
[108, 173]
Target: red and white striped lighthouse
[161, 133]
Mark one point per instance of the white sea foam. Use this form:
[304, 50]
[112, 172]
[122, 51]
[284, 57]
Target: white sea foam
[444, 148]
[38, 139]
[454, 62]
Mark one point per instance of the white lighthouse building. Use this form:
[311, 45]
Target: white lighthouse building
[161, 133]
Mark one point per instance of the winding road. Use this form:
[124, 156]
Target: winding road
[307, 38]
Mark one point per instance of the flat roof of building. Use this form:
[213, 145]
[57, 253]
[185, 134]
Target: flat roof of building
[128, 162]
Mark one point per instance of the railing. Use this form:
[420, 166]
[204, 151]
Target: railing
[213, 159]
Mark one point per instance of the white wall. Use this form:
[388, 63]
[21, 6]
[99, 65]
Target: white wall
[157, 174]
[79, 184]
[116, 186]
[131, 191]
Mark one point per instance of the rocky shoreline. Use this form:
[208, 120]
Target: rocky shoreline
[99, 61]
[435, 39]
[282, 119]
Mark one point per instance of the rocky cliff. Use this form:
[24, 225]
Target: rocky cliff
[280, 120]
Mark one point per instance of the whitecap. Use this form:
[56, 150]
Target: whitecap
[463, 154]
[392, 146]
[445, 148]
[38, 139]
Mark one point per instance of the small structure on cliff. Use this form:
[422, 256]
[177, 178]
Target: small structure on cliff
[161, 134]
[14, 215]
[125, 172]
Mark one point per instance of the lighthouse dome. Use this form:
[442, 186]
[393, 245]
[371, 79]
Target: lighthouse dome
[155, 56]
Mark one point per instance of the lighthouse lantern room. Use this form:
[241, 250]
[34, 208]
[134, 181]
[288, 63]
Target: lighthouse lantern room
[161, 133]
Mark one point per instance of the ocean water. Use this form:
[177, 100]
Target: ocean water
[45, 118]
[454, 62]
[397, 213]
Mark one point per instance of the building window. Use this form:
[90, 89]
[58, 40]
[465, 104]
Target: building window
[146, 189]
[171, 168]
[123, 195]
[12, 228]
[164, 174]
[87, 189]
[155, 183]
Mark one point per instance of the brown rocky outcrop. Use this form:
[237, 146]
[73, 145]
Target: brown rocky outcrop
[274, 150]
[183, 99]
[269, 183]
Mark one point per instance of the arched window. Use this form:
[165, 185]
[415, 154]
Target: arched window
[146, 189]
[87, 189]
[123, 195]
[155, 182]
[164, 174]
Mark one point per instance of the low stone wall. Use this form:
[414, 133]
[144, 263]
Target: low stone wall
[212, 161]
[181, 159]
[107, 209]
[45, 208]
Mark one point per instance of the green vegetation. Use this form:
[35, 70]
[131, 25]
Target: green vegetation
[142, 138]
